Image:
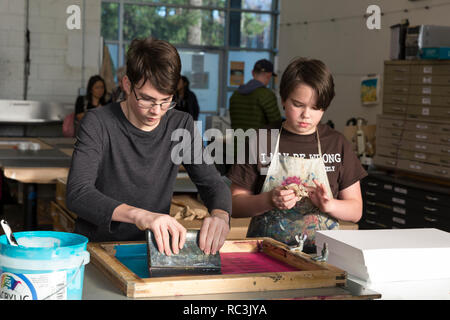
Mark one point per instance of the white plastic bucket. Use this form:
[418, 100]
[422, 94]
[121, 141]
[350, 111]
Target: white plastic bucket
[45, 265]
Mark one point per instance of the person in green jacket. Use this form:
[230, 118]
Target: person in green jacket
[253, 105]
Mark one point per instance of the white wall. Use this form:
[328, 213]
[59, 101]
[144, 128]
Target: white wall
[55, 51]
[348, 47]
[12, 39]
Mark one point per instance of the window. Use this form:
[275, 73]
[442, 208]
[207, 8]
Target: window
[209, 35]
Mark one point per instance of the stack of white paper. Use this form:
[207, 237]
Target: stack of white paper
[388, 255]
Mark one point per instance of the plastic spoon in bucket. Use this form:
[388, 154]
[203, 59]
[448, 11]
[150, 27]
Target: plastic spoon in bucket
[9, 235]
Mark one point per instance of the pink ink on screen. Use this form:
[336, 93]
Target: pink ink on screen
[249, 262]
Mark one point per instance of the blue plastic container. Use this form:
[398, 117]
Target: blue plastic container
[45, 265]
[441, 53]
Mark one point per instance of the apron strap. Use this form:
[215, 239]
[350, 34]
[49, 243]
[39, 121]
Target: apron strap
[318, 142]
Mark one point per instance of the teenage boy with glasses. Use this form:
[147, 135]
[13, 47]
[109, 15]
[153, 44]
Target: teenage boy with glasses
[122, 175]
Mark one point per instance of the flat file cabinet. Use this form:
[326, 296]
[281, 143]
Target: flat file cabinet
[392, 202]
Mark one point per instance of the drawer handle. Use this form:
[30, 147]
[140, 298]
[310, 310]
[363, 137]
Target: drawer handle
[372, 184]
[400, 109]
[431, 198]
[430, 209]
[371, 193]
[370, 221]
[441, 171]
[371, 212]
[371, 203]
[430, 219]
[397, 124]
[391, 162]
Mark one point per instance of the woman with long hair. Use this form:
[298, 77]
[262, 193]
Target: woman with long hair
[95, 97]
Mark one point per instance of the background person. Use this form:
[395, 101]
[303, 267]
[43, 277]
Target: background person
[187, 100]
[253, 105]
[95, 97]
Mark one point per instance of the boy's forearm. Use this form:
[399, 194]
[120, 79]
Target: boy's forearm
[245, 205]
[346, 210]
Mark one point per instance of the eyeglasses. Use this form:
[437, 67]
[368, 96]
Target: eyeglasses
[148, 104]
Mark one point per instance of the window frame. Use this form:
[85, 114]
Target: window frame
[223, 50]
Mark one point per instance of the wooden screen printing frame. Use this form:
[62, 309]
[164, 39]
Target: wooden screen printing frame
[311, 274]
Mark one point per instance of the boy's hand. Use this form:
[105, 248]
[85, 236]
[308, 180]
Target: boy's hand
[162, 225]
[319, 196]
[214, 231]
[283, 199]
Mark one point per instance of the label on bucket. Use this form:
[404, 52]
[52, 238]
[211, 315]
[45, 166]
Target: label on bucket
[14, 286]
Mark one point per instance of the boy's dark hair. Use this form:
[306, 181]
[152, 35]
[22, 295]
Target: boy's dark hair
[156, 61]
[313, 73]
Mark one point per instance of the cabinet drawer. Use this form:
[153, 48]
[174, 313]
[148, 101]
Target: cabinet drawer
[427, 126]
[429, 111]
[397, 79]
[431, 221]
[423, 168]
[393, 89]
[394, 108]
[399, 223]
[431, 198]
[386, 162]
[377, 196]
[390, 133]
[395, 99]
[377, 215]
[391, 123]
[387, 151]
[388, 142]
[387, 200]
[425, 208]
[430, 79]
[424, 147]
[442, 139]
[429, 100]
[429, 90]
[422, 156]
[370, 184]
[367, 223]
[431, 69]
[393, 69]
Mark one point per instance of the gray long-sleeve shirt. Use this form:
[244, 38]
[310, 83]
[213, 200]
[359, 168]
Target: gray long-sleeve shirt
[114, 163]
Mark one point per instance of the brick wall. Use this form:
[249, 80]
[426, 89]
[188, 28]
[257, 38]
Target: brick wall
[55, 51]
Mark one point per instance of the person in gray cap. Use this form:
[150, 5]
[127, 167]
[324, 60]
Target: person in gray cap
[253, 105]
